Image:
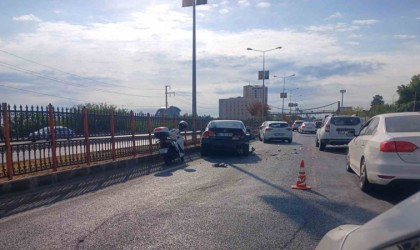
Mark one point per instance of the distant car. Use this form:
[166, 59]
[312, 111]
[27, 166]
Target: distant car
[44, 133]
[275, 130]
[296, 124]
[387, 150]
[337, 130]
[307, 127]
[396, 228]
[230, 135]
[318, 124]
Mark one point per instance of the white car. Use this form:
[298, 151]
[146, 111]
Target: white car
[307, 127]
[397, 228]
[337, 130]
[275, 130]
[387, 150]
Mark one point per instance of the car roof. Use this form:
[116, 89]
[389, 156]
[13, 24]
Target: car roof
[269, 122]
[226, 121]
[398, 114]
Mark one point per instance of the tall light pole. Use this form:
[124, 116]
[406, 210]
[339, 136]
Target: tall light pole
[264, 75]
[283, 95]
[342, 91]
[193, 3]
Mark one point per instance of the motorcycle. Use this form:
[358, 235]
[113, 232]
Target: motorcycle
[171, 142]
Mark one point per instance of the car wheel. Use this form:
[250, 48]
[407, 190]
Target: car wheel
[322, 146]
[316, 142]
[182, 159]
[259, 136]
[348, 168]
[364, 183]
[289, 140]
[264, 140]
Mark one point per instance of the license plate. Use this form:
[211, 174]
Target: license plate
[224, 134]
[163, 150]
[278, 134]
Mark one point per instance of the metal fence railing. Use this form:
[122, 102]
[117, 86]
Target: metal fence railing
[74, 136]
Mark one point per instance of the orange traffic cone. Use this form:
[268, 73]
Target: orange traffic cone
[300, 183]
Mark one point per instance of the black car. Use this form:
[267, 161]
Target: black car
[44, 133]
[226, 135]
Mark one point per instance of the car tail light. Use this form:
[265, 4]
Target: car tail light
[208, 134]
[397, 146]
[327, 128]
[386, 176]
[268, 129]
[303, 126]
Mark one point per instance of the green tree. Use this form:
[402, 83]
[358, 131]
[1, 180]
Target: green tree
[377, 101]
[409, 95]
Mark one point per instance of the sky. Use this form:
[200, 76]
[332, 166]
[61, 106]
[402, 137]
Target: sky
[124, 53]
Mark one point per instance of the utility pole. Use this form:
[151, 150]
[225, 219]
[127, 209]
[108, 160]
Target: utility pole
[166, 95]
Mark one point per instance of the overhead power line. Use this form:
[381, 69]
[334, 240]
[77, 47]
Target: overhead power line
[30, 72]
[62, 71]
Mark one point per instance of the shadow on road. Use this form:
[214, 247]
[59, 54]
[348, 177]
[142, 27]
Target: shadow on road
[341, 150]
[14, 203]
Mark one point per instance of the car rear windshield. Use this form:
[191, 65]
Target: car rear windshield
[345, 121]
[278, 125]
[298, 122]
[403, 124]
[226, 124]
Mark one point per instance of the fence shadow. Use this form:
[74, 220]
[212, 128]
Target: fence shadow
[14, 203]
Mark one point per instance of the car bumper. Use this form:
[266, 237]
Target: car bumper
[285, 136]
[223, 144]
[336, 141]
[392, 170]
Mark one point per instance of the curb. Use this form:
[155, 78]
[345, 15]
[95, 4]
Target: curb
[65, 175]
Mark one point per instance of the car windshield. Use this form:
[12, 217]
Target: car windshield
[403, 124]
[298, 123]
[345, 121]
[226, 124]
[278, 125]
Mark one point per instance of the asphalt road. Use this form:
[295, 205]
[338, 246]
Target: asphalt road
[245, 203]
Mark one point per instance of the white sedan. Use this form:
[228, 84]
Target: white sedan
[275, 130]
[387, 150]
[307, 127]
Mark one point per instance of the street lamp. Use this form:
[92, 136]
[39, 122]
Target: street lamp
[342, 97]
[193, 3]
[263, 72]
[283, 95]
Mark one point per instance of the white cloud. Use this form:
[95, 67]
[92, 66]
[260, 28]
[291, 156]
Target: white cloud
[338, 27]
[418, 18]
[224, 11]
[405, 36]
[244, 2]
[263, 5]
[27, 18]
[365, 22]
[334, 16]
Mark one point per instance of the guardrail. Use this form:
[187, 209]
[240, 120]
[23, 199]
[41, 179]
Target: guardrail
[95, 136]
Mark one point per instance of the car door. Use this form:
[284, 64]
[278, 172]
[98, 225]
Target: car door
[358, 147]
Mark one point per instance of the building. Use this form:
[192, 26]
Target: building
[236, 108]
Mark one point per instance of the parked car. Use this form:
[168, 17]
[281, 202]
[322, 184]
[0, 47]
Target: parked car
[275, 130]
[337, 130]
[307, 127]
[396, 228]
[296, 124]
[228, 135]
[387, 150]
[44, 133]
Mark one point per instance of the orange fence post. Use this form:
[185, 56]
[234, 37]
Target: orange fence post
[149, 130]
[52, 134]
[112, 136]
[9, 163]
[133, 132]
[86, 130]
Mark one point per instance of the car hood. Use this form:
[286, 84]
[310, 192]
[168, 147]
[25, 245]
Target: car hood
[397, 224]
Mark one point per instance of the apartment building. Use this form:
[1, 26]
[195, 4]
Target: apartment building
[235, 108]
